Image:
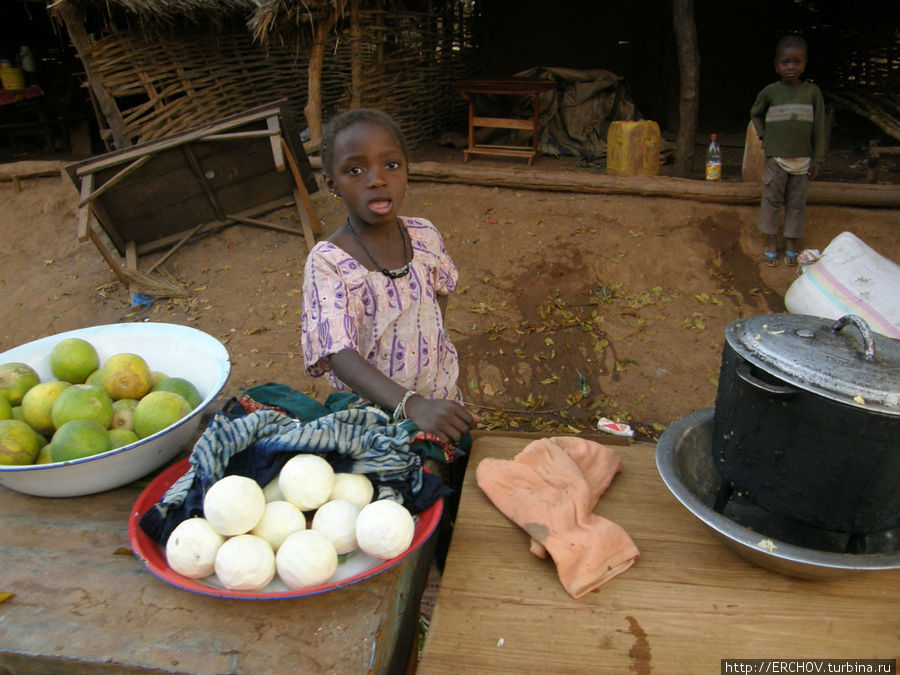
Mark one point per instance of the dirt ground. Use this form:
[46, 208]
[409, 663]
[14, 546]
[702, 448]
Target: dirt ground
[570, 306]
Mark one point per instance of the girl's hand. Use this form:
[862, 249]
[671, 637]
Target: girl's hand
[813, 170]
[448, 420]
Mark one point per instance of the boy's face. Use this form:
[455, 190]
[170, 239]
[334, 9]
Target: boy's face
[790, 64]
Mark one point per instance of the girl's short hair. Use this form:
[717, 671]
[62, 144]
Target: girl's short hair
[789, 41]
[347, 119]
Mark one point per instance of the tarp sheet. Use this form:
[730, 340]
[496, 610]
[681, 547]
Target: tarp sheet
[575, 117]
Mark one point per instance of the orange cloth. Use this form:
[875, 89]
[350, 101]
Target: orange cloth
[550, 490]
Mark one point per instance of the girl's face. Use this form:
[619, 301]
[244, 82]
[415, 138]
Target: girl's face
[790, 64]
[369, 171]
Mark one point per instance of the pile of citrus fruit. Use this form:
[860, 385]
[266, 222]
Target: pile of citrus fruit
[88, 407]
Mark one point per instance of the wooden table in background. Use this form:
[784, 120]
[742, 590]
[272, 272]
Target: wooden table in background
[512, 86]
[84, 604]
[686, 603]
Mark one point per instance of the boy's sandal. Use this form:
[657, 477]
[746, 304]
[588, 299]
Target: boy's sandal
[790, 258]
[770, 258]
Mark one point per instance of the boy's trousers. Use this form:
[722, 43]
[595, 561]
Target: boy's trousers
[783, 189]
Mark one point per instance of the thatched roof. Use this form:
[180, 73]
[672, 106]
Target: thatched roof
[167, 10]
[267, 20]
[289, 20]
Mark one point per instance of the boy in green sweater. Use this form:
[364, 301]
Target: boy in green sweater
[789, 116]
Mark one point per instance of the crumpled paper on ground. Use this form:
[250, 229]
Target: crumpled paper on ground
[550, 490]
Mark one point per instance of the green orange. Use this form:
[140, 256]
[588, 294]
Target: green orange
[123, 414]
[77, 439]
[82, 402]
[126, 376]
[180, 386]
[73, 360]
[158, 410]
[95, 378]
[43, 456]
[156, 377]
[18, 443]
[16, 379]
[121, 437]
[37, 404]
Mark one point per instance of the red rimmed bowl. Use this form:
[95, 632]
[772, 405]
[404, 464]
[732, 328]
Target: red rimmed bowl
[356, 567]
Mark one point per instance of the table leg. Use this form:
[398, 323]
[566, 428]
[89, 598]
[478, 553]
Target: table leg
[471, 127]
[534, 139]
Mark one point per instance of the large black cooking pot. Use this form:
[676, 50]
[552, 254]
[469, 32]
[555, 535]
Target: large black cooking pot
[807, 420]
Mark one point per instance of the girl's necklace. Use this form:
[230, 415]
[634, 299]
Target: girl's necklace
[403, 271]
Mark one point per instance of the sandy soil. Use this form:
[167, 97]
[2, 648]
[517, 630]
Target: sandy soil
[570, 306]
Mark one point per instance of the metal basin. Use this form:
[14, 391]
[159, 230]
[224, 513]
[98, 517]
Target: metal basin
[169, 348]
[685, 463]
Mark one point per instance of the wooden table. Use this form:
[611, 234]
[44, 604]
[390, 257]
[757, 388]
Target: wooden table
[513, 86]
[686, 603]
[161, 193]
[84, 604]
[22, 114]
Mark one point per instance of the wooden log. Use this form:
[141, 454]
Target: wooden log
[820, 193]
[16, 171]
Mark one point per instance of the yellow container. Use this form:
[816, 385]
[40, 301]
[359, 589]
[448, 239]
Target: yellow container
[12, 78]
[632, 148]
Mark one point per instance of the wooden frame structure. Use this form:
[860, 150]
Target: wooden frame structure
[159, 194]
[507, 87]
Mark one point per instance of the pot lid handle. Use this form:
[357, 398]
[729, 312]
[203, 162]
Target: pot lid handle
[865, 331]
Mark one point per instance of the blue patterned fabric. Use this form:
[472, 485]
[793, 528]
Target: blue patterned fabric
[355, 440]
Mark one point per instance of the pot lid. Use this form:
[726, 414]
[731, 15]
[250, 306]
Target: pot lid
[842, 359]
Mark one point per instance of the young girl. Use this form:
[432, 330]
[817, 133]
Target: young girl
[374, 293]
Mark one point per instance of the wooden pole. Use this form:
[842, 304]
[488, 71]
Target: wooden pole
[355, 56]
[313, 109]
[379, 31]
[107, 103]
[689, 71]
[722, 192]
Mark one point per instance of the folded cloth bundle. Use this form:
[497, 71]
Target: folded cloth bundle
[550, 490]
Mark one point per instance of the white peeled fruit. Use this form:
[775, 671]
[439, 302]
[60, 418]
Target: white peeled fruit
[233, 505]
[306, 481]
[337, 521]
[245, 563]
[384, 529]
[273, 492]
[192, 547]
[356, 488]
[306, 559]
[279, 520]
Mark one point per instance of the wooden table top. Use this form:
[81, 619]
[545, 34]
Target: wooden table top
[83, 603]
[686, 603]
[506, 85]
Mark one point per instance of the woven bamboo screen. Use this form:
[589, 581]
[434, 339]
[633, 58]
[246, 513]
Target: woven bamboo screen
[876, 68]
[168, 83]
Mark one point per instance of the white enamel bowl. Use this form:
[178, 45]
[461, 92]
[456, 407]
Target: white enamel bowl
[177, 351]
